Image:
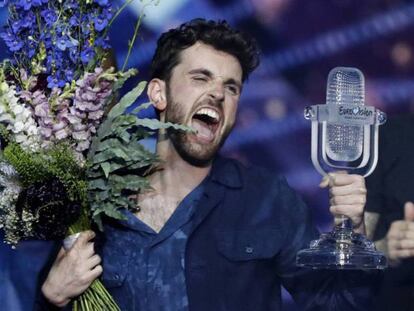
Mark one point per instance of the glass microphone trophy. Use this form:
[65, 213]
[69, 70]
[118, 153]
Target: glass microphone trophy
[344, 138]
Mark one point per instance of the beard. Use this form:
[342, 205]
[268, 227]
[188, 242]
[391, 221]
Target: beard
[196, 154]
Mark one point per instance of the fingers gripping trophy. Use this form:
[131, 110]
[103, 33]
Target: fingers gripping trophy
[344, 137]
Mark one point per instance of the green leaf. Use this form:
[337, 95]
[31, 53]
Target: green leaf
[127, 100]
[108, 154]
[155, 124]
[109, 144]
[100, 184]
[106, 167]
[141, 107]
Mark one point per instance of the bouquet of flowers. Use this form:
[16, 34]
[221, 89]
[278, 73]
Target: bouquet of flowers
[68, 155]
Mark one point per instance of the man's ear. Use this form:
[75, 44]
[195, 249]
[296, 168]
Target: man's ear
[157, 94]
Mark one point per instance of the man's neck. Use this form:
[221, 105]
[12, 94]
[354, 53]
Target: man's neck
[177, 176]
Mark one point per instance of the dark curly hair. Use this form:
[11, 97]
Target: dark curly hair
[217, 34]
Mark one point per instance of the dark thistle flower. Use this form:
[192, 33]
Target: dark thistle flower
[56, 212]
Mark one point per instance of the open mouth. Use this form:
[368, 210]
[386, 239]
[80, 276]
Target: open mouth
[206, 122]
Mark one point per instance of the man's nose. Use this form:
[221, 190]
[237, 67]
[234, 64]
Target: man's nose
[216, 90]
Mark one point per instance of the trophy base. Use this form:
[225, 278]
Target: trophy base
[341, 249]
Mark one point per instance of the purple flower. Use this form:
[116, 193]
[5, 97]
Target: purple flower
[3, 3]
[96, 115]
[83, 145]
[81, 135]
[62, 134]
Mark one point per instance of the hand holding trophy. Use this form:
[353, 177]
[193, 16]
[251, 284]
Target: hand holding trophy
[344, 137]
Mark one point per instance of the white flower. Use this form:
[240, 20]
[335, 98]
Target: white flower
[17, 110]
[19, 118]
[18, 127]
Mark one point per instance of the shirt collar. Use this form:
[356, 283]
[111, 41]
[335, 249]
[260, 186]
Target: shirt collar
[226, 172]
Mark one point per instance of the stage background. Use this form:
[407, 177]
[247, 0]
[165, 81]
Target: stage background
[301, 40]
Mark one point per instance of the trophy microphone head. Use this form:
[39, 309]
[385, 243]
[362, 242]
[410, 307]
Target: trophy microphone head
[345, 86]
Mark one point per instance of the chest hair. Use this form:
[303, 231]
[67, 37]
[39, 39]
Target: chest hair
[156, 209]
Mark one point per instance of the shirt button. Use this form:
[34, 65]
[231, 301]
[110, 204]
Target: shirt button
[249, 250]
[116, 276]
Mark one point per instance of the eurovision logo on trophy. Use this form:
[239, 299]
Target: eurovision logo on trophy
[344, 138]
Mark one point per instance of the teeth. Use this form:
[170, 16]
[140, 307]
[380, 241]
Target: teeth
[209, 112]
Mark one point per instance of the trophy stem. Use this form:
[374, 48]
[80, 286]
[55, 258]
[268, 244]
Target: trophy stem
[344, 223]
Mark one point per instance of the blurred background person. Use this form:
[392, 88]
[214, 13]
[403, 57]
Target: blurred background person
[390, 212]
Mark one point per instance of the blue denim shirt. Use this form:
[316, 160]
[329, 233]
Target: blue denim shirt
[155, 278]
[241, 248]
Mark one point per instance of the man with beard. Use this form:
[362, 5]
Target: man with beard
[211, 234]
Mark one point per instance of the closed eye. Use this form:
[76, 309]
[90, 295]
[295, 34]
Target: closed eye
[233, 89]
[200, 78]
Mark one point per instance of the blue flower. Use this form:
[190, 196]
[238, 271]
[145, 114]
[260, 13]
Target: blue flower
[74, 20]
[3, 3]
[52, 81]
[64, 42]
[29, 20]
[69, 75]
[103, 42]
[102, 2]
[100, 22]
[49, 16]
[17, 25]
[13, 42]
[7, 36]
[71, 4]
[87, 55]
[26, 4]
